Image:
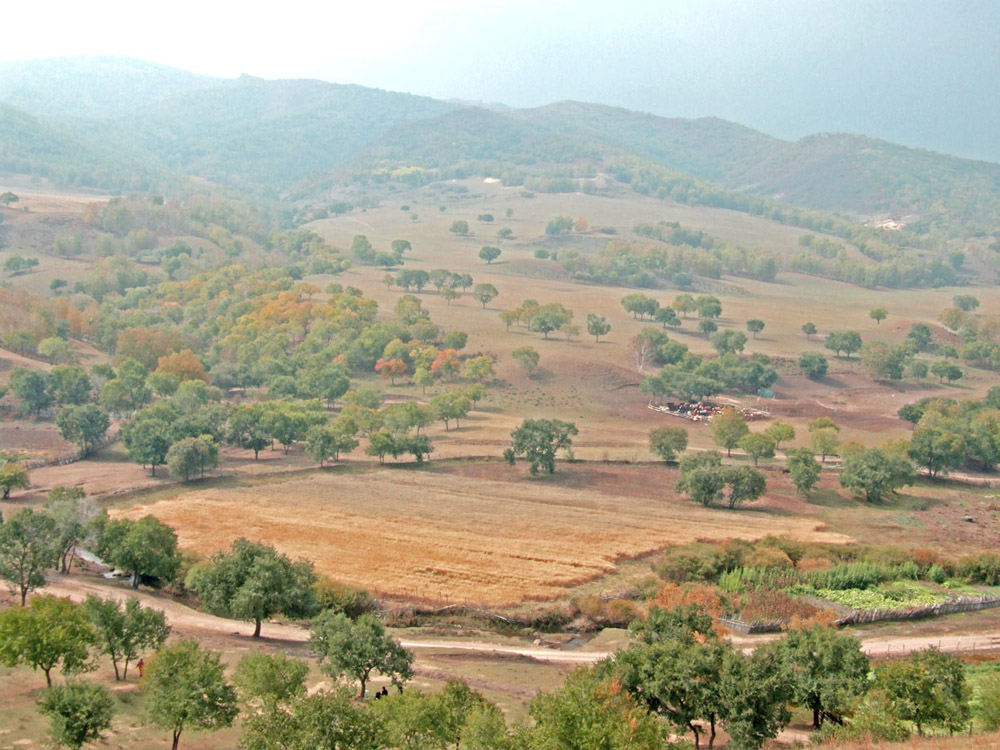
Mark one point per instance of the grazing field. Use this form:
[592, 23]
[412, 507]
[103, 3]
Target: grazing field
[447, 537]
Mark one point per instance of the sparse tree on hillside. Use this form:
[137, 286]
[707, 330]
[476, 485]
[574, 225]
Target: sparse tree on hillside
[814, 365]
[484, 293]
[755, 326]
[874, 473]
[8, 198]
[728, 428]
[809, 329]
[597, 326]
[803, 469]
[667, 442]
[13, 476]
[757, 446]
[878, 314]
[779, 432]
[538, 440]
[526, 357]
[489, 254]
[459, 226]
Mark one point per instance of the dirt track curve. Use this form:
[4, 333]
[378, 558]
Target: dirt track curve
[189, 620]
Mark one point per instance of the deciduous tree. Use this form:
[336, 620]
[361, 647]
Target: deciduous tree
[356, 648]
[253, 582]
[186, 688]
[123, 632]
[28, 547]
[46, 633]
[538, 440]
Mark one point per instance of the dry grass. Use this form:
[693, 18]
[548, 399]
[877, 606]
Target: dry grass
[445, 537]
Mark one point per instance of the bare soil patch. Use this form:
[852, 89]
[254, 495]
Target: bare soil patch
[462, 536]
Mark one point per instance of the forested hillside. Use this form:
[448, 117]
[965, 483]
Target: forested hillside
[303, 138]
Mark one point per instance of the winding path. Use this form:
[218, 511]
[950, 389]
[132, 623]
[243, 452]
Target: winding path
[186, 619]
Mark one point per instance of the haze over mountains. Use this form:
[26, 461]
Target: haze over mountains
[126, 124]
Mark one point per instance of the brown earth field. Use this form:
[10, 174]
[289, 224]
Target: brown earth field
[481, 533]
[464, 533]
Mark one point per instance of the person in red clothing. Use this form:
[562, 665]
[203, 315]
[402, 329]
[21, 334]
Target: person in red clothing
[140, 665]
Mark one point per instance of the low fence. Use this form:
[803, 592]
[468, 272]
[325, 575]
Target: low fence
[915, 613]
[962, 604]
[67, 458]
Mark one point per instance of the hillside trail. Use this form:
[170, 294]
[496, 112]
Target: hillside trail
[190, 621]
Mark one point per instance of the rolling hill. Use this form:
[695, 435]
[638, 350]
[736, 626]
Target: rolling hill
[95, 119]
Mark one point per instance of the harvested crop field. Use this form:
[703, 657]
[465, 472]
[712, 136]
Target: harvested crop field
[447, 536]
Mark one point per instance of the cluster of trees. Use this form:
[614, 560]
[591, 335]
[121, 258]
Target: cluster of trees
[543, 319]
[689, 376]
[949, 434]
[362, 249]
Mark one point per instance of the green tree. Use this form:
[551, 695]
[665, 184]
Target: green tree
[79, 711]
[7, 198]
[702, 477]
[459, 226]
[598, 325]
[823, 434]
[937, 450]
[667, 442]
[677, 679]
[13, 476]
[83, 425]
[526, 357]
[327, 442]
[46, 633]
[190, 457]
[550, 318]
[128, 391]
[874, 472]
[148, 437]
[728, 428]
[248, 430]
[538, 440]
[757, 446]
[927, 688]
[640, 305]
[480, 368]
[755, 326]
[489, 254]
[356, 648]
[878, 314]
[186, 687]
[744, 485]
[454, 405]
[965, 302]
[55, 350]
[28, 546]
[423, 377]
[70, 384]
[123, 632]
[667, 316]
[591, 712]
[32, 388]
[946, 370]
[708, 327]
[271, 678]
[919, 336]
[484, 293]
[253, 582]
[75, 520]
[883, 360]
[324, 720]
[728, 342]
[803, 469]
[708, 307]
[843, 341]
[828, 670]
[143, 548]
[809, 329]
[779, 432]
[756, 690]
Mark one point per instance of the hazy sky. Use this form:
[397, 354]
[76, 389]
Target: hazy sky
[920, 72]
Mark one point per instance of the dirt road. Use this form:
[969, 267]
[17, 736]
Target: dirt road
[189, 621]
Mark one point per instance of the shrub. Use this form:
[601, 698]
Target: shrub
[984, 568]
[341, 597]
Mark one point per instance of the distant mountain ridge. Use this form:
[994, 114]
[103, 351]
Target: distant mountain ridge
[272, 137]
